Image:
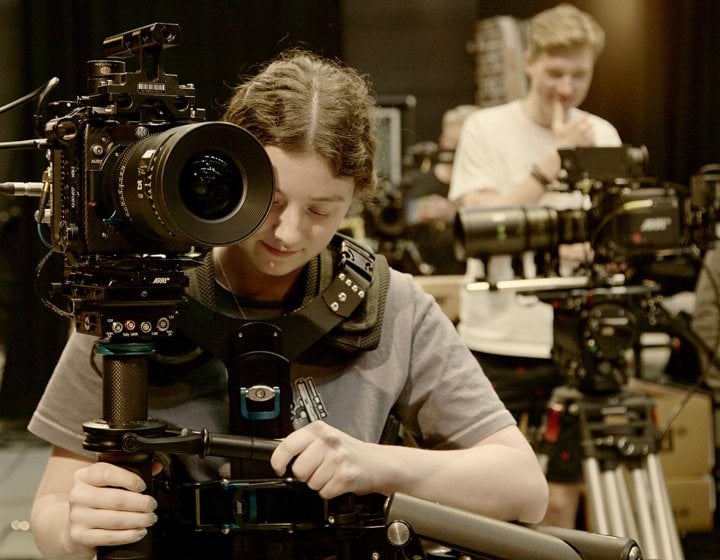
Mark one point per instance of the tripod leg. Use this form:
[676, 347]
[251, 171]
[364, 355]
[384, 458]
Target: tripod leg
[596, 502]
[612, 496]
[663, 509]
[626, 503]
[648, 539]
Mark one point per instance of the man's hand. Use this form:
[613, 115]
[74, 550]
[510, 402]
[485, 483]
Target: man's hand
[576, 132]
[431, 209]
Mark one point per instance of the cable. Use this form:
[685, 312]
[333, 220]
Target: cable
[40, 92]
[43, 297]
[622, 209]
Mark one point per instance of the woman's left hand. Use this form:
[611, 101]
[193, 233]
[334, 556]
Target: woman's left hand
[329, 461]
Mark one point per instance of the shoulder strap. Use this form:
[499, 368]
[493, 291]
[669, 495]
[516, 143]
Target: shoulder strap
[345, 293]
[349, 308]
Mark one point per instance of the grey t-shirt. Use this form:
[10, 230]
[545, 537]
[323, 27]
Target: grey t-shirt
[420, 370]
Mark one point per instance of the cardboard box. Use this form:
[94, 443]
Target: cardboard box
[693, 502]
[688, 448]
[446, 291]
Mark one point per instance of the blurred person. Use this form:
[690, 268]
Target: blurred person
[705, 318]
[430, 181]
[508, 156]
[429, 213]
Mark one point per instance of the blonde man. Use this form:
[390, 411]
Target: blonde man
[507, 156]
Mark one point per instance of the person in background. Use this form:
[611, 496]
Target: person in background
[397, 354]
[429, 214]
[508, 156]
[705, 319]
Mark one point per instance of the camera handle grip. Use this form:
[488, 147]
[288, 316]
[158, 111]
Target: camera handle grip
[125, 409]
[407, 517]
[203, 443]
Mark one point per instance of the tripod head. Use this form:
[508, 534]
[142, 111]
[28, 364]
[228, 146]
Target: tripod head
[593, 330]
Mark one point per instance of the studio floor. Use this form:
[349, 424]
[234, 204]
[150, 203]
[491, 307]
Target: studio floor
[22, 458]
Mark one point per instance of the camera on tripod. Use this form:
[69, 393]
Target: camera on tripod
[133, 170]
[628, 219]
[627, 213]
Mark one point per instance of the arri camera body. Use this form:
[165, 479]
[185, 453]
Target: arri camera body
[626, 221]
[626, 214]
[135, 171]
[138, 186]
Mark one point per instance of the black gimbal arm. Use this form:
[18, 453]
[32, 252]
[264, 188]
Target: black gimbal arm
[407, 517]
[202, 443]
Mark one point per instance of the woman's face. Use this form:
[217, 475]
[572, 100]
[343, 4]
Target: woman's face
[309, 206]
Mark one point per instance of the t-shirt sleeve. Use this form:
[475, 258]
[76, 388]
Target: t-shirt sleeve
[477, 160]
[72, 397]
[605, 134]
[449, 402]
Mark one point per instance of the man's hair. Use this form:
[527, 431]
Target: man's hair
[563, 26]
[303, 103]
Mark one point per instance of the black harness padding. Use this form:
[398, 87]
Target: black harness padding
[343, 304]
[342, 309]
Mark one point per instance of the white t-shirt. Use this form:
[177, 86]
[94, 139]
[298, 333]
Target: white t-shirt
[497, 150]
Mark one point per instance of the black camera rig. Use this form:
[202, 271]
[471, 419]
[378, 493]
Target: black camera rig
[626, 215]
[136, 189]
[627, 221]
[134, 169]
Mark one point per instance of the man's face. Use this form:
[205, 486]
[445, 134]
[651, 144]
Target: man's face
[560, 74]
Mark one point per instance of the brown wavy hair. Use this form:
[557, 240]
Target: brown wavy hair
[304, 103]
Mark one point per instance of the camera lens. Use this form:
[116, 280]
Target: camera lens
[207, 185]
[203, 184]
[481, 232]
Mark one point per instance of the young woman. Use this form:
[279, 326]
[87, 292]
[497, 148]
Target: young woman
[396, 354]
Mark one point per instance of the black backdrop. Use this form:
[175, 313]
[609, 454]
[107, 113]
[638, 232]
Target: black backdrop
[657, 82]
[221, 41]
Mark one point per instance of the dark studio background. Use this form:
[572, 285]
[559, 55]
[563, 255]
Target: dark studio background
[657, 82]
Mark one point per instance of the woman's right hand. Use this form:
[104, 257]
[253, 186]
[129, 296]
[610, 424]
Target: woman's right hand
[107, 507]
[81, 504]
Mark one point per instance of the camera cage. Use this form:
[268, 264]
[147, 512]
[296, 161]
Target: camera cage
[127, 93]
[135, 168]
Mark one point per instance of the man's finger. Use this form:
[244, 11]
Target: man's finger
[558, 114]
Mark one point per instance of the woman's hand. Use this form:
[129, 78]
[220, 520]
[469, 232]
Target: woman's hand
[82, 504]
[330, 461]
[107, 507]
[499, 476]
